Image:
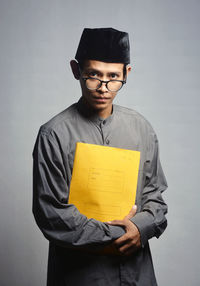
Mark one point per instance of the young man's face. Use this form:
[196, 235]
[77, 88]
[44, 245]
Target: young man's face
[100, 100]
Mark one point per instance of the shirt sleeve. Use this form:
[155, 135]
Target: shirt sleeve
[150, 219]
[59, 221]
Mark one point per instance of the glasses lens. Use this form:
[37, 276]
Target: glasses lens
[92, 83]
[114, 85]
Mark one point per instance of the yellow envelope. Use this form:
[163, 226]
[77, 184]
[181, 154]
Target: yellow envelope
[104, 181]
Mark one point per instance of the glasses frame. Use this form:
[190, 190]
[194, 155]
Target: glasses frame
[103, 81]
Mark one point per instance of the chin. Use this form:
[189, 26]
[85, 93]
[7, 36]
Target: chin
[98, 106]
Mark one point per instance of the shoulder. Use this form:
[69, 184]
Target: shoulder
[55, 131]
[133, 117]
[138, 126]
[59, 121]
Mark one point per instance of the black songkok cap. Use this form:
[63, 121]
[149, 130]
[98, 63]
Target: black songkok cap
[104, 44]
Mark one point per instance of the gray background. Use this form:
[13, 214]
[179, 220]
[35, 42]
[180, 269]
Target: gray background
[38, 39]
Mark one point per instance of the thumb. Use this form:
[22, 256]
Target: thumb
[132, 212]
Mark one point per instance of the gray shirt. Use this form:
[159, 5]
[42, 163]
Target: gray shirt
[70, 233]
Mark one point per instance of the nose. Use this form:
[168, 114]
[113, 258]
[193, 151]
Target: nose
[103, 87]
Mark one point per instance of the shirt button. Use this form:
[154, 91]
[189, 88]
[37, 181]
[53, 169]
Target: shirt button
[107, 142]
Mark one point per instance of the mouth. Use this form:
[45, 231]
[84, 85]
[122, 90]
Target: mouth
[101, 99]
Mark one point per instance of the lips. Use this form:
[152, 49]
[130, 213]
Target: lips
[101, 99]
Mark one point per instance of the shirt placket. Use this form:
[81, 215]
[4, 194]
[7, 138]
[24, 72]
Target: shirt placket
[123, 275]
[103, 130]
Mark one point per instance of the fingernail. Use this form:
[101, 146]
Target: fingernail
[134, 207]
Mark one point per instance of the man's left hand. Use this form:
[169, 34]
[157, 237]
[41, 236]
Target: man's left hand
[130, 241]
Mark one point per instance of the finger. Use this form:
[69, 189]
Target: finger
[127, 249]
[116, 222]
[124, 248]
[132, 212]
[121, 240]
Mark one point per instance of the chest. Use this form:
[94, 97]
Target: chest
[121, 135]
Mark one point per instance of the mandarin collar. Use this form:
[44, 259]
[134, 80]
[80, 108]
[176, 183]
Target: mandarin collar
[89, 114]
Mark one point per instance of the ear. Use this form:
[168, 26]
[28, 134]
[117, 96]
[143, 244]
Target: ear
[128, 69]
[75, 69]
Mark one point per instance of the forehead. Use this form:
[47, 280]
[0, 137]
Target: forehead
[103, 66]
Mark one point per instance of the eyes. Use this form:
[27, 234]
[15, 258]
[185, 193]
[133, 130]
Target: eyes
[99, 75]
[114, 76]
[93, 74]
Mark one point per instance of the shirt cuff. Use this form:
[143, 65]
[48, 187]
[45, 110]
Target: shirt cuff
[145, 225]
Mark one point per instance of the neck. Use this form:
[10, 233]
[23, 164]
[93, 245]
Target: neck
[101, 113]
[104, 113]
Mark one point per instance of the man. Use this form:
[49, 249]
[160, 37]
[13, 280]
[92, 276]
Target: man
[79, 247]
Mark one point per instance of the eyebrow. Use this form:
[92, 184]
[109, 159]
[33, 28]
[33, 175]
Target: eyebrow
[92, 70]
[98, 71]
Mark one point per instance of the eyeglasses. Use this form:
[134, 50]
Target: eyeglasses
[95, 83]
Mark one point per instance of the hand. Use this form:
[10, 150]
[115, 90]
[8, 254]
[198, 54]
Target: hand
[130, 241]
